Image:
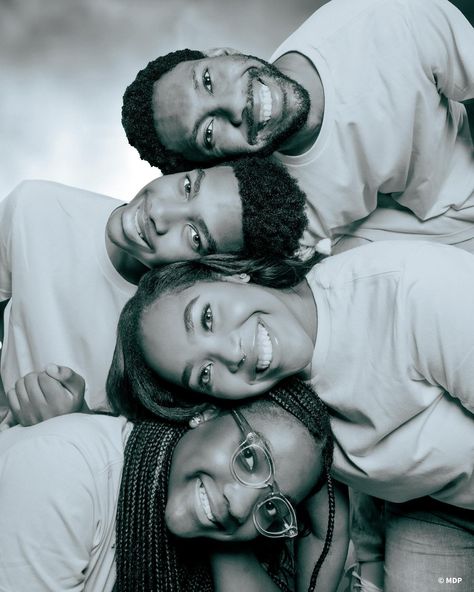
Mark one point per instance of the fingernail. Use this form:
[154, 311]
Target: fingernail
[52, 368]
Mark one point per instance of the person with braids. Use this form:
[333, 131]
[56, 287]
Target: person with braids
[75, 257]
[384, 335]
[175, 510]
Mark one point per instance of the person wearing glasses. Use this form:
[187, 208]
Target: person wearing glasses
[383, 333]
[89, 502]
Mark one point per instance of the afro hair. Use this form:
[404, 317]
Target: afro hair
[273, 216]
[137, 113]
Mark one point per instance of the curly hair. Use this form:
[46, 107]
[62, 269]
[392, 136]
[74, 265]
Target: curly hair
[148, 557]
[133, 388]
[137, 113]
[273, 216]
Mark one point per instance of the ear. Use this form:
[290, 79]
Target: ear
[238, 278]
[205, 415]
[220, 51]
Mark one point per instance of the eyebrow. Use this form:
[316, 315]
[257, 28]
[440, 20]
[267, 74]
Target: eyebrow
[186, 376]
[210, 240]
[187, 316]
[189, 327]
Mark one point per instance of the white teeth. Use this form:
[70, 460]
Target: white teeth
[264, 348]
[205, 503]
[265, 103]
[137, 226]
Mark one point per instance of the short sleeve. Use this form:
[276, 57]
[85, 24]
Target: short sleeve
[445, 41]
[46, 516]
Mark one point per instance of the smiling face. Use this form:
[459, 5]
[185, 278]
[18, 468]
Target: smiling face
[179, 217]
[204, 499]
[225, 339]
[227, 105]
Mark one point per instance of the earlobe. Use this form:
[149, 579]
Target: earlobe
[220, 51]
[205, 415]
[238, 278]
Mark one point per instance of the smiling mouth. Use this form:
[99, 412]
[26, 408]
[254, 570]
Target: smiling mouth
[206, 506]
[266, 103]
[264, 349]
[138, 227]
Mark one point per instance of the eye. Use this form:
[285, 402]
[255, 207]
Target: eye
[248, 459]
[205, 377]
[209, 136]
[187, 186]
[194, 238]
[207, 318]
[270, 510]
[206, 80]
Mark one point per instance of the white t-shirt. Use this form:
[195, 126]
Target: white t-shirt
[394, 361]
[392, 72]
[66, 296]
[59, 486]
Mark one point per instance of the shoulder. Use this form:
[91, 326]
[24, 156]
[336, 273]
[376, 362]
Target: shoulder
[77, 439]
[36, 194]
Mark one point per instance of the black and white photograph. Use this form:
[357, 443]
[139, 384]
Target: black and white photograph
[236, 261]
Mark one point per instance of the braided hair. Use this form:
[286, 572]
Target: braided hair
[148, 557]
[299, 399]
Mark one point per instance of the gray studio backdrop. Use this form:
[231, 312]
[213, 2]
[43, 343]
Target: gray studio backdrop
[65, 63]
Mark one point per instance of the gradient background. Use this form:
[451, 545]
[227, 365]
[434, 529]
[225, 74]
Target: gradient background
[64, 65]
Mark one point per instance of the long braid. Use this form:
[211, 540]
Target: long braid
[300, 400]
[148, 558]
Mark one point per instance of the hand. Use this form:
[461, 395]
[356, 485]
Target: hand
[40, 395]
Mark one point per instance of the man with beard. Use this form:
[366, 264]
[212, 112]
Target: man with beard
[363, 104]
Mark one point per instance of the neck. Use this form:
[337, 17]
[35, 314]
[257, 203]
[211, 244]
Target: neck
[128, 267]
[301, 69]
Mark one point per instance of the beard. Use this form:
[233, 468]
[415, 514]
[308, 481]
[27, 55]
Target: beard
[292, 120]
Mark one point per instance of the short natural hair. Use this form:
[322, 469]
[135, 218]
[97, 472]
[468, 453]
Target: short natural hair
[148, 557]
[273, 215]
[137, 113]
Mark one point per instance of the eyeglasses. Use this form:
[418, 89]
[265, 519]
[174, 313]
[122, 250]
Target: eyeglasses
[252, 465]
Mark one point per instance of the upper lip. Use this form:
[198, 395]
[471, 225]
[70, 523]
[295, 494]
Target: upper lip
[143, 220]
[219, 508]
[255, 350]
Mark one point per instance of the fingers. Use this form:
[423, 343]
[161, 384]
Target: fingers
[70, 380]
[41, 395]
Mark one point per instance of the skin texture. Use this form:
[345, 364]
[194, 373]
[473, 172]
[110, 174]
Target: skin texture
[207, 109]
[212, 331]
[182, 216]
[204, 453]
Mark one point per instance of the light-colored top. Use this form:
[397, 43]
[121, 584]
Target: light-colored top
[66, 296]
[394, 361]
[392, 71]
[59, 485]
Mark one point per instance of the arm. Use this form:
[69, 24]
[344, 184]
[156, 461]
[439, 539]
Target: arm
[445, 40]
[309, 548]
[46, 515]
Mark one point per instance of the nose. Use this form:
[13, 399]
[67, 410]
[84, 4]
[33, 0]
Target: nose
[164, 213]
[233, 101]
[229, 351]
[241, 500]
